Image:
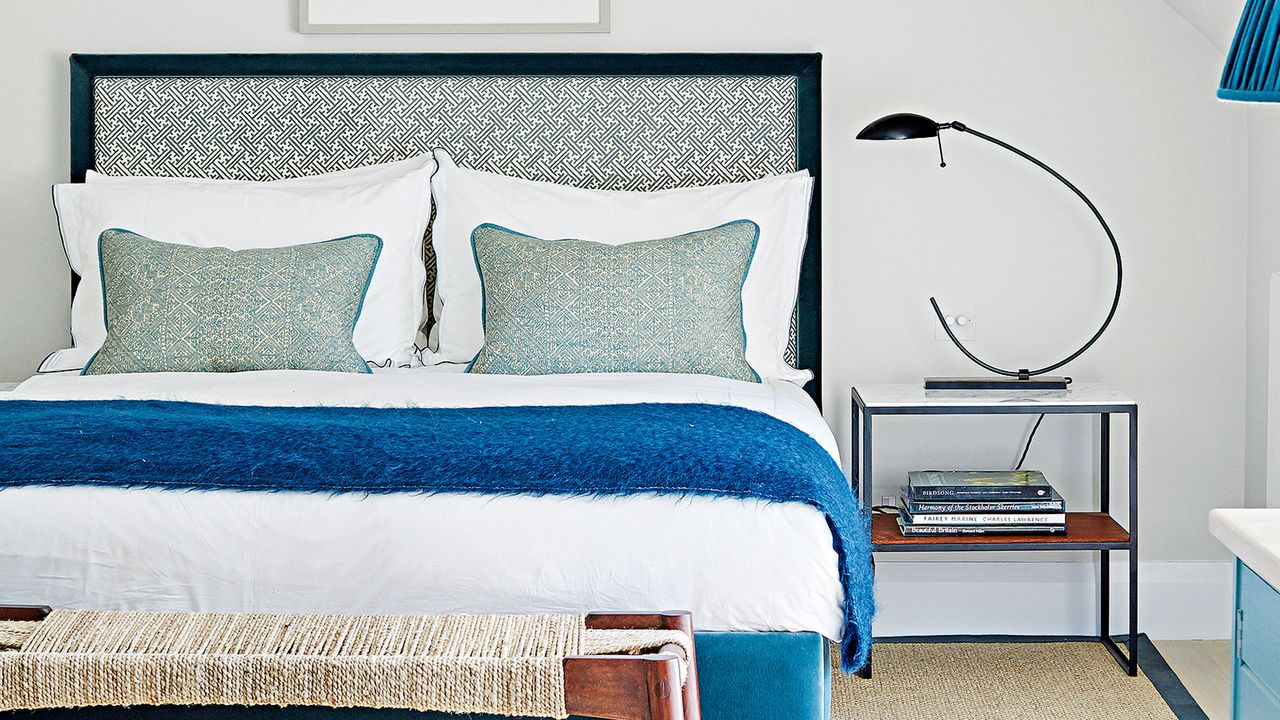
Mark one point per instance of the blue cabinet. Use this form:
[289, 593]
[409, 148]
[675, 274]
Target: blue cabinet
[1256, 674]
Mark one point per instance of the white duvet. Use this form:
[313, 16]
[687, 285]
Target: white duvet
[737, 564]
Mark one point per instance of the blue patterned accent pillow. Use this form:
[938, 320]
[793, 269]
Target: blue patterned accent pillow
[671, 305]
[179, 308]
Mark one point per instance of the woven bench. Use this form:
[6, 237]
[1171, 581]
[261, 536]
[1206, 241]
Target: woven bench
[607, 665]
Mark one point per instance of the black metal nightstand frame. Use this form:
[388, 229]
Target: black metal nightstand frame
[862, 451]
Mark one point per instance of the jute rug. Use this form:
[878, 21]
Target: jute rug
[996, 681]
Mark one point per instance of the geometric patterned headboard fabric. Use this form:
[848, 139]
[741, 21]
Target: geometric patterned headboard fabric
[616, 133]
[607, 130]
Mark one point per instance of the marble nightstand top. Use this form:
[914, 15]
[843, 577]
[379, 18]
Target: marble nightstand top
[914, 395]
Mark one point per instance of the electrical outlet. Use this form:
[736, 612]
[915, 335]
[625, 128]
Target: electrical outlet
[960, 320]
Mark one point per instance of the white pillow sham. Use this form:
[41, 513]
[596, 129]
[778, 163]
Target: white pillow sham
[466, 199]
[240, 215]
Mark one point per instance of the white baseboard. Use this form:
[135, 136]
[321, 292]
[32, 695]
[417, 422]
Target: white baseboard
[1177, 601]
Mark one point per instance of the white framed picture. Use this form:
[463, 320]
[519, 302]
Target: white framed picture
[453, 16]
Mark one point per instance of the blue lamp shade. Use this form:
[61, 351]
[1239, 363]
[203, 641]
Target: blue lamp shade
[1252, 73]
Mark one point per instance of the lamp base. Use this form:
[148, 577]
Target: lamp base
[995, 383]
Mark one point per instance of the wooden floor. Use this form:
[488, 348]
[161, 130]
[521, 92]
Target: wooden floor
[1204, 667]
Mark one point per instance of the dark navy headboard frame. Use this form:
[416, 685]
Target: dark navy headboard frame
[806, 68]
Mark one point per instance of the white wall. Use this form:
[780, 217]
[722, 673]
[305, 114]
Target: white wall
[1272, 455]
[1217, 20]
[1117, 96]
[1263, 261]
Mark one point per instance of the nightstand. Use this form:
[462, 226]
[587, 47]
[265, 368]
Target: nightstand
[1093, 531]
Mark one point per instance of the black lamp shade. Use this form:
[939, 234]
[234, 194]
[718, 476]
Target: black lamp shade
[900, 126]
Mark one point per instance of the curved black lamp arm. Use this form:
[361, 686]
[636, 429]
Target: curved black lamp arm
[1115, 247]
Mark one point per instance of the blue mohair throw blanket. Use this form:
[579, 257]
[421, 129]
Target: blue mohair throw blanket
[668, 449]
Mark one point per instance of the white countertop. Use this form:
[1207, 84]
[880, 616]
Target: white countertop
[1253, 535]
[881, 395]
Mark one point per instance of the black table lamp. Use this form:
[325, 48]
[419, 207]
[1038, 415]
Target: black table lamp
[908, 126]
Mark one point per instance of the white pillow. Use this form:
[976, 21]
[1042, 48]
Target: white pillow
[466, 199]
[240, 215]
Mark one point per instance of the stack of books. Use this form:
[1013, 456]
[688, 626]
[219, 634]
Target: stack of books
[972, 502]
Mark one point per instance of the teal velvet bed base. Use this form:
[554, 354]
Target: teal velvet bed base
[742, 676]
[754, 676]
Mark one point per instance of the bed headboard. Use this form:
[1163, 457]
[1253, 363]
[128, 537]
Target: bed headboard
[613, 121]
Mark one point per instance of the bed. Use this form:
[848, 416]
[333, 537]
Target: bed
[762, 578]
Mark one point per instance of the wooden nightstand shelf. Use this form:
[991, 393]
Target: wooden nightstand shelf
[1093, 531]
[1085, 531]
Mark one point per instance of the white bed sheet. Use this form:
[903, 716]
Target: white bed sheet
[737, 564]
